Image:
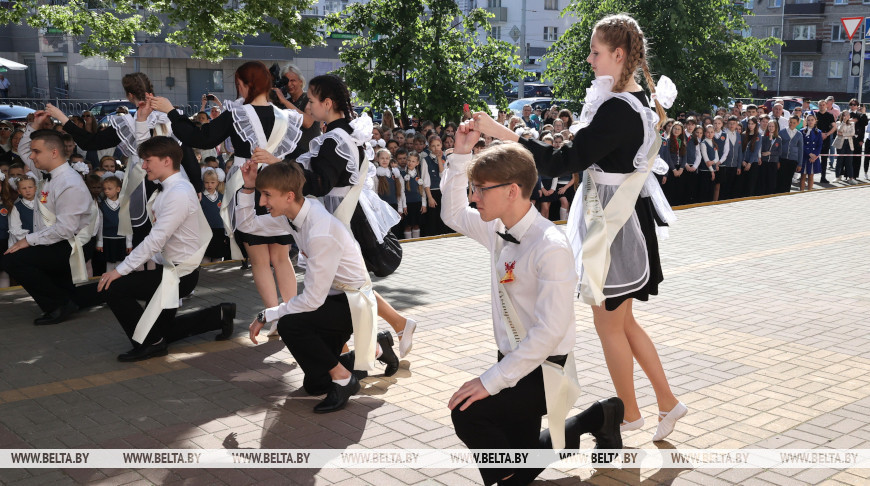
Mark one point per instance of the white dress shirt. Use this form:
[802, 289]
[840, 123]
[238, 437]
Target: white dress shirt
[331, 253]
[174, 226]
[67, 196]
[544, 280]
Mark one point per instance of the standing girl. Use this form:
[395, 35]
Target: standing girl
[113, 246]
[751, 141]
[415, 200]
[771, 145]
[211, 202]
[432, 166]
[693, 163]
[389, 186]
[812, 163]
[612, 158]
[21, 216]
[709, 167]
[677, 155]
[845, 145]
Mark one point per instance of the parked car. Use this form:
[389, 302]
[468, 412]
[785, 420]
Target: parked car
[532, 90]
[788, 103]
[14, 113]
[544, 104]
[103, 108]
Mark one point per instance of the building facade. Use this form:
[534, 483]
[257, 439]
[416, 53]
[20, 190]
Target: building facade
[815, 59]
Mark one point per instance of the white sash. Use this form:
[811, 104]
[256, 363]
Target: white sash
[235, 181]
[134, 178]
[166, 295]
[561, 386]
[603, 224]
[77, 266]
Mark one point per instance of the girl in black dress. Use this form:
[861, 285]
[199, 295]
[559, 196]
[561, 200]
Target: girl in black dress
[610, 157]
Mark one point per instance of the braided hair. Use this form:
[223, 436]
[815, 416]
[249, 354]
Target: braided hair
[332, 87]
[622, 31]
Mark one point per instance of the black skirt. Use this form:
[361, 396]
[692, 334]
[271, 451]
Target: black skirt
[648, 219]
[254, 240]
[114, 249]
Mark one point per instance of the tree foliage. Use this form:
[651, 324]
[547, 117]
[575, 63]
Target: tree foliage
[699, 45]
[422, 57]
[211, 28]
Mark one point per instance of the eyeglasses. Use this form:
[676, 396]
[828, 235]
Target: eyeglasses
[475, 189]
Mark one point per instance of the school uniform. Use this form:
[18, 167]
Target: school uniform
[392, 195]
[861, 122]
[677, 159]
[43, 269]
[791, 153]
[316, 323]
[812, 145]
[20, 221]
[732, 161]
[113, 244]
[690, 179]
[534, 265]
[176, 244]
[752, 156]
[707, 174]
[4, 233]
[433, 225]
[414, 201]
[768, 165]
[219, 246]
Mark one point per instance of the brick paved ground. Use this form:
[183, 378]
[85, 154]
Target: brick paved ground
[761, 327]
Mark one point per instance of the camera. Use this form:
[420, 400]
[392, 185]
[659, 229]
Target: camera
[211, 97]
[278, 81]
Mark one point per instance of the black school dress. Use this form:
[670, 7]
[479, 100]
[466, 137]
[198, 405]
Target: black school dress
[611, 141]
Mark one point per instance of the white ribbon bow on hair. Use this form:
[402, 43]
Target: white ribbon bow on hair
[666, 92]
[118, 173]
[378, 143]
[2, 177]
[362, 133]
[221, 175]
[81, 168]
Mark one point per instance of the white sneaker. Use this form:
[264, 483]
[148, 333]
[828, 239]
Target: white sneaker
[407, 339]
[629, 426]
[669, 420]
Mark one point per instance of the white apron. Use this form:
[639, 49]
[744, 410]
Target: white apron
[561, 386]
[166, 295]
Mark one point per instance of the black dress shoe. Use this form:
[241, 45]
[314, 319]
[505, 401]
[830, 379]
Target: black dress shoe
[228, 313]
[58, 315]
[608, 437]
[823, 181]
[245, 265]
[145, 352]
[388, 357]
[338, 396]
[347, 359]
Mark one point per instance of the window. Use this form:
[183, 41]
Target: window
[495, 32]
[775, 4]
[551, 33]
[775, 31]
[801, 69]
[835, 69]
[771, 71]
[841, 2]
[804, 32]
[493, 3]
[748, 4]
[551, 4]
[838, 33]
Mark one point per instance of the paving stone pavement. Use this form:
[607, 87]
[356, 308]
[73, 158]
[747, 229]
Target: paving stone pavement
[761, 326]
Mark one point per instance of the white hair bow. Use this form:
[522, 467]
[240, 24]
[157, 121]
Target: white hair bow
[118, 173]
[2, 177]
[81, 168]
[666, 92]
[221, 175]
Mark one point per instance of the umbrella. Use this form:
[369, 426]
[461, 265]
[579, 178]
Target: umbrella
[11, 65]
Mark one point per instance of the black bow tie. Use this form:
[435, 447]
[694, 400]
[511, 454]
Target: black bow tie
[292, 226]
[46, 176]
[508, 237]
[159, 187]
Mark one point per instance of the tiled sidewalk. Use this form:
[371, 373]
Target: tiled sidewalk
[761, 325]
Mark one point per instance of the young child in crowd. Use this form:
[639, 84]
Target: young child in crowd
[21, 215]
[415, 196]
[389, 185]
[211, 201]
[113, 247]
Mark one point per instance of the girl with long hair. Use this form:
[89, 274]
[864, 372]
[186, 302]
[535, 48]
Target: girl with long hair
[771, 145]
[611, 158]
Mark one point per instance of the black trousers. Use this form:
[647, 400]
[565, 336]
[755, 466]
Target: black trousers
[44, 273]
[856, 161]
[826, 150]
[432, 223]
[705, 186]
[123, 298]
[315, 340]
[785, 175]
[750, 180]
[511, 419]
[727, 180]
[689, 187]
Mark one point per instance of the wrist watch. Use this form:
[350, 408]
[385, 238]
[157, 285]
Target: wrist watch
[261, 317]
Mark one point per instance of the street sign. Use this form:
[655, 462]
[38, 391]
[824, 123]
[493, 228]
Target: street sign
[851, 24]
[515, 33]
[867, 28]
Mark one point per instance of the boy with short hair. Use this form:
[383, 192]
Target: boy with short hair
[533, 282]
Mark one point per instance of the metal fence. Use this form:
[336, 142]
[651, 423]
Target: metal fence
[74, 106]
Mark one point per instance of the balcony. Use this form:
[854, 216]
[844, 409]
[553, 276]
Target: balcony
[814, 8]
[802, 47]
[499, 12]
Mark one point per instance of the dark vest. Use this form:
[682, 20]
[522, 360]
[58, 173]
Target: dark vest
[212, 210]
[390, 196]
[434, 175]
[412, 193]
[110, 220]
[26, 215]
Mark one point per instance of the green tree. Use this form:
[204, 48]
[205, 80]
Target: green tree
[210, 27]
[699, 45]
[422, 57]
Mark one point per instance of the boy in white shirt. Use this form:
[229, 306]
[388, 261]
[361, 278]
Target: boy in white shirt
[533, 267]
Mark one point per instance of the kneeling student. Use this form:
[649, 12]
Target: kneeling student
[532, 289]
[337, 300]
[178, 239]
